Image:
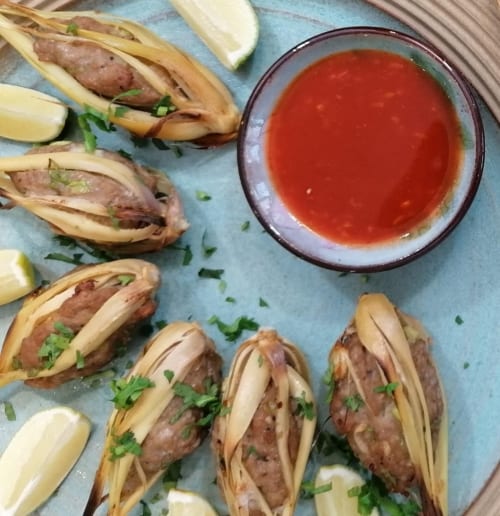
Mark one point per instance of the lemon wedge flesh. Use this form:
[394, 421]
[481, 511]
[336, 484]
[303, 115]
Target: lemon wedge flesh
[16, 275]
[28, 115]
[229, 28]
[336, 501]
[40, 455]
[187, 503]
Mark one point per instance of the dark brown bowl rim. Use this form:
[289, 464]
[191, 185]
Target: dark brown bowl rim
[435, 54]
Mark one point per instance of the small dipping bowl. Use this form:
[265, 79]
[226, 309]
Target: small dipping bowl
[337, 249]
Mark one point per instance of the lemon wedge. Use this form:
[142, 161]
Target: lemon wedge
[336, 501]
[229, 28]
[28, 115]
[17, 277]
[187, 503]
[38, 458]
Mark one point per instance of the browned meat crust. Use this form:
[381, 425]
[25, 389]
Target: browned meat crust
[74, 313]
[372, 427]
[260, 449]
[171, 439]
[97, 69]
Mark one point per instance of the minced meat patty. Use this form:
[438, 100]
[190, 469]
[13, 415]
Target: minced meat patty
[171, 438]
[74, 313]
[372, 426]
[98, 69]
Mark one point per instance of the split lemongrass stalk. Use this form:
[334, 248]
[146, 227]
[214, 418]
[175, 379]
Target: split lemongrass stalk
[163, 409]
[389, 401]
[99, 197]
[262, 442]
[76, 325]
[109, 63]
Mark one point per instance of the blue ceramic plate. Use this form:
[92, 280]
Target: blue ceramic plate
[454, 289]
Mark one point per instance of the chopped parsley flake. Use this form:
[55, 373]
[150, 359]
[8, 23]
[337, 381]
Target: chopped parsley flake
[80, 360]
[72, 29]
[354, 403]
[308, 489]
[123, 444]
[245, 226]
[263, 303]
[188, 254]
[127, 392]
[9, 411]
[329, 381]
[202, 196]
[207, 250]
[163, 107]
[125, 279]
[76, 259]
[210, 273]
[169, 375]
[388, 388]
[459, 320]
[172, 475]
[305, 408]
[55, 344]
[230, 299]
[466, 365]
[209, 401]
[222, 286]
[233, 330]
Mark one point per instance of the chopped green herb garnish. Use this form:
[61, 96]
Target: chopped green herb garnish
[459, 320]
[188, 254]
[9, 411]
[80, 360]
[55, 344]
[466, 365]
[72, 29]
[159, 144]
[96, 379]
[121, 110]
[389, 388]
[100, 120]
[169, 375]
[176, 150]
[260, 360]
[146, 511]
[245, 225]
[138, 141]
[160, 324]
[127, 392]
[209, 401]
[373, 494]
[305, 408]
[71, 243]
[125, 279]
[263, 302]
[124, 154]
[207, 249]
[222, 286]
[329, 381]
[123, 444]
[61, 177]
[76, 259]
[230, 299]
[234, 330]
[115, 221]
[172, 475]
[202, 196]
[353, 403]
[210, 273]
[308, 489]
[163, 107]
[365, 278]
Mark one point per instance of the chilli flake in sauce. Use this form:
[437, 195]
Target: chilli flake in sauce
[363, 146]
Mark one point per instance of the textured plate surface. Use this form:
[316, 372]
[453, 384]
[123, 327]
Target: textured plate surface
[308, 305]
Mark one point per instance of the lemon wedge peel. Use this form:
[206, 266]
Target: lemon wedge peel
[17, 277]
[39, 457]
[336, 501]
[29, 115]
[229, 28]
[187, 503]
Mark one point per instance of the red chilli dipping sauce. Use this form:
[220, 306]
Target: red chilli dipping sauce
[363, 147]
